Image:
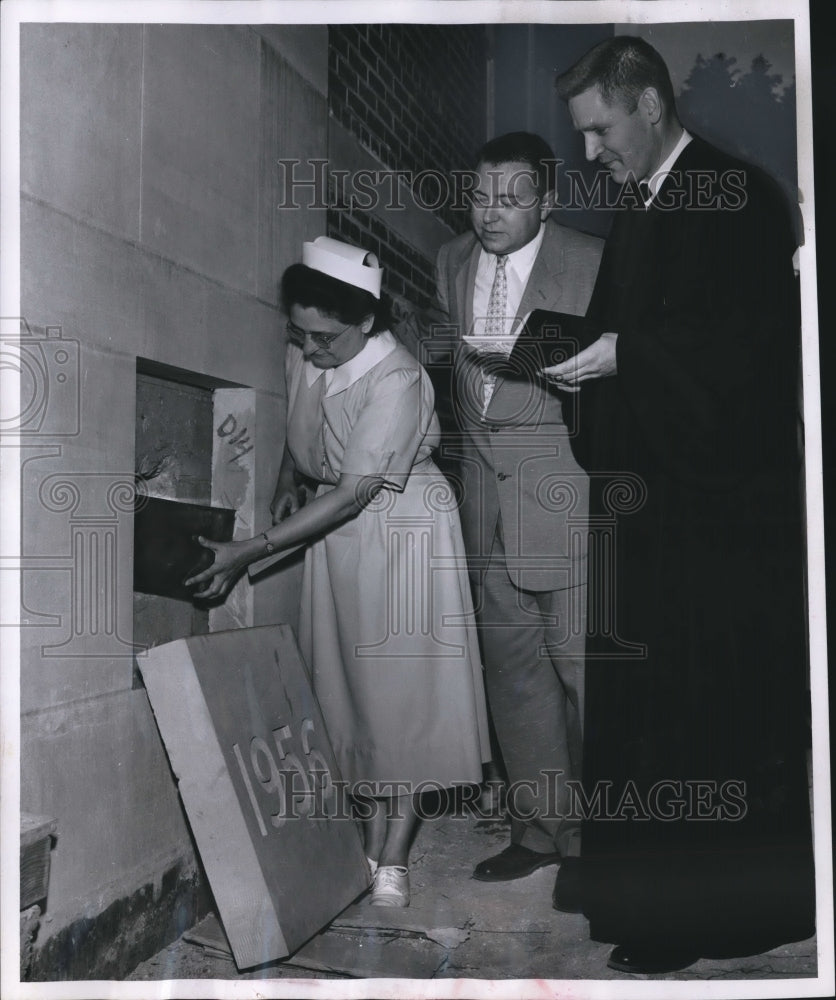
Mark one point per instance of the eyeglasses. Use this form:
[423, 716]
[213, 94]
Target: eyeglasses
[297, 335]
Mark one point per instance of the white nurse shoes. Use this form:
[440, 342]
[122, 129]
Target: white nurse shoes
[390, 886]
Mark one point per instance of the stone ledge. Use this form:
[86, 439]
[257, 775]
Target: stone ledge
[130, 930]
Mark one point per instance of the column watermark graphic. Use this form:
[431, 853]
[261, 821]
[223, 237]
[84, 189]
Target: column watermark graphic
[94, 503]
[43, 365]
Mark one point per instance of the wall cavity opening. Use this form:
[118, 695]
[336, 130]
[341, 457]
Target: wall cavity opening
[193, 441]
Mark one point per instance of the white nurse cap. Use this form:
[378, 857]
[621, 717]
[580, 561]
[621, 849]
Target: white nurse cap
[343, 261]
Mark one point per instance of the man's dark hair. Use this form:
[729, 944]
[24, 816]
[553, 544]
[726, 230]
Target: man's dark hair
[621, 68]
[522, 147]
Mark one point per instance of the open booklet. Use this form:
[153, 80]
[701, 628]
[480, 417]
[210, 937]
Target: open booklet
[547, 338]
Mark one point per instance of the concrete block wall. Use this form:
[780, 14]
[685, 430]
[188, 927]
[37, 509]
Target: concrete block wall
[149, 230]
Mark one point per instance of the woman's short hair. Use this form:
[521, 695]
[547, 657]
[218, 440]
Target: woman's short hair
[622, 68]
[303, 286]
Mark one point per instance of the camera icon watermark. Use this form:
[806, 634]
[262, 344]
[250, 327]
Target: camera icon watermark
[44, 368]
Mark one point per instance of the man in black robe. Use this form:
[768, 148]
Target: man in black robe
[696, 834]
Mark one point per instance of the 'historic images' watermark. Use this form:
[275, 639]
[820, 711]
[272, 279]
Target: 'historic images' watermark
[315, 183]
[282, 786]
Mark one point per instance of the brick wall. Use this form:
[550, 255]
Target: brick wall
[414, 97]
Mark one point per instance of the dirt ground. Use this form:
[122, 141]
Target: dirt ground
[455, 927]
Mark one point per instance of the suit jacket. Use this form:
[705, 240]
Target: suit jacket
[517, 461]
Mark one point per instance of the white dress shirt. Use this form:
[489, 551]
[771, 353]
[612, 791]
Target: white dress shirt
[518, 267]
[656, 179]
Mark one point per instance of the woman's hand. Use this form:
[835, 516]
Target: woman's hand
[230, 560]
[290, 499]
[309, 521]
[284, 503]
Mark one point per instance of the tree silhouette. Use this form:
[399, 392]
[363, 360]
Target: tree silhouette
[746, 113]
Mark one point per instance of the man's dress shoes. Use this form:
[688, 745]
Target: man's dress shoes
[514, 862]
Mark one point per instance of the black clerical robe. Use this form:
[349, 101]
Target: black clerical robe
[696, 832]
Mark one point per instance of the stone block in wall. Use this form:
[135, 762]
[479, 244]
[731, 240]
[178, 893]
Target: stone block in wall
[304, 47]
[118, 297]
[97, 766]
[294, 148]
[201, 147]
[81, 121]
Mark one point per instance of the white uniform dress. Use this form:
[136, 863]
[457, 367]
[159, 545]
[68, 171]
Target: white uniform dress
[386, 623]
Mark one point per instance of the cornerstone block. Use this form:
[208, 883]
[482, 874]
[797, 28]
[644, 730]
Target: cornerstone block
[259, 784]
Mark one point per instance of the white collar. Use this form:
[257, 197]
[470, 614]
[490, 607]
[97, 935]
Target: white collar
[522, 260]
[658, 176]
[337, 379]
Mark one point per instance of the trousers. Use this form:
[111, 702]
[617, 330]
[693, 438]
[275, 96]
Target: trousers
[533, 646]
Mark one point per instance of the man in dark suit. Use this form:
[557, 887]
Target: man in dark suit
[696, 834]
[523, 496]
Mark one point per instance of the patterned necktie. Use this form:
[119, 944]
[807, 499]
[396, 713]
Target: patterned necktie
[494, 325]
[498, 301]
